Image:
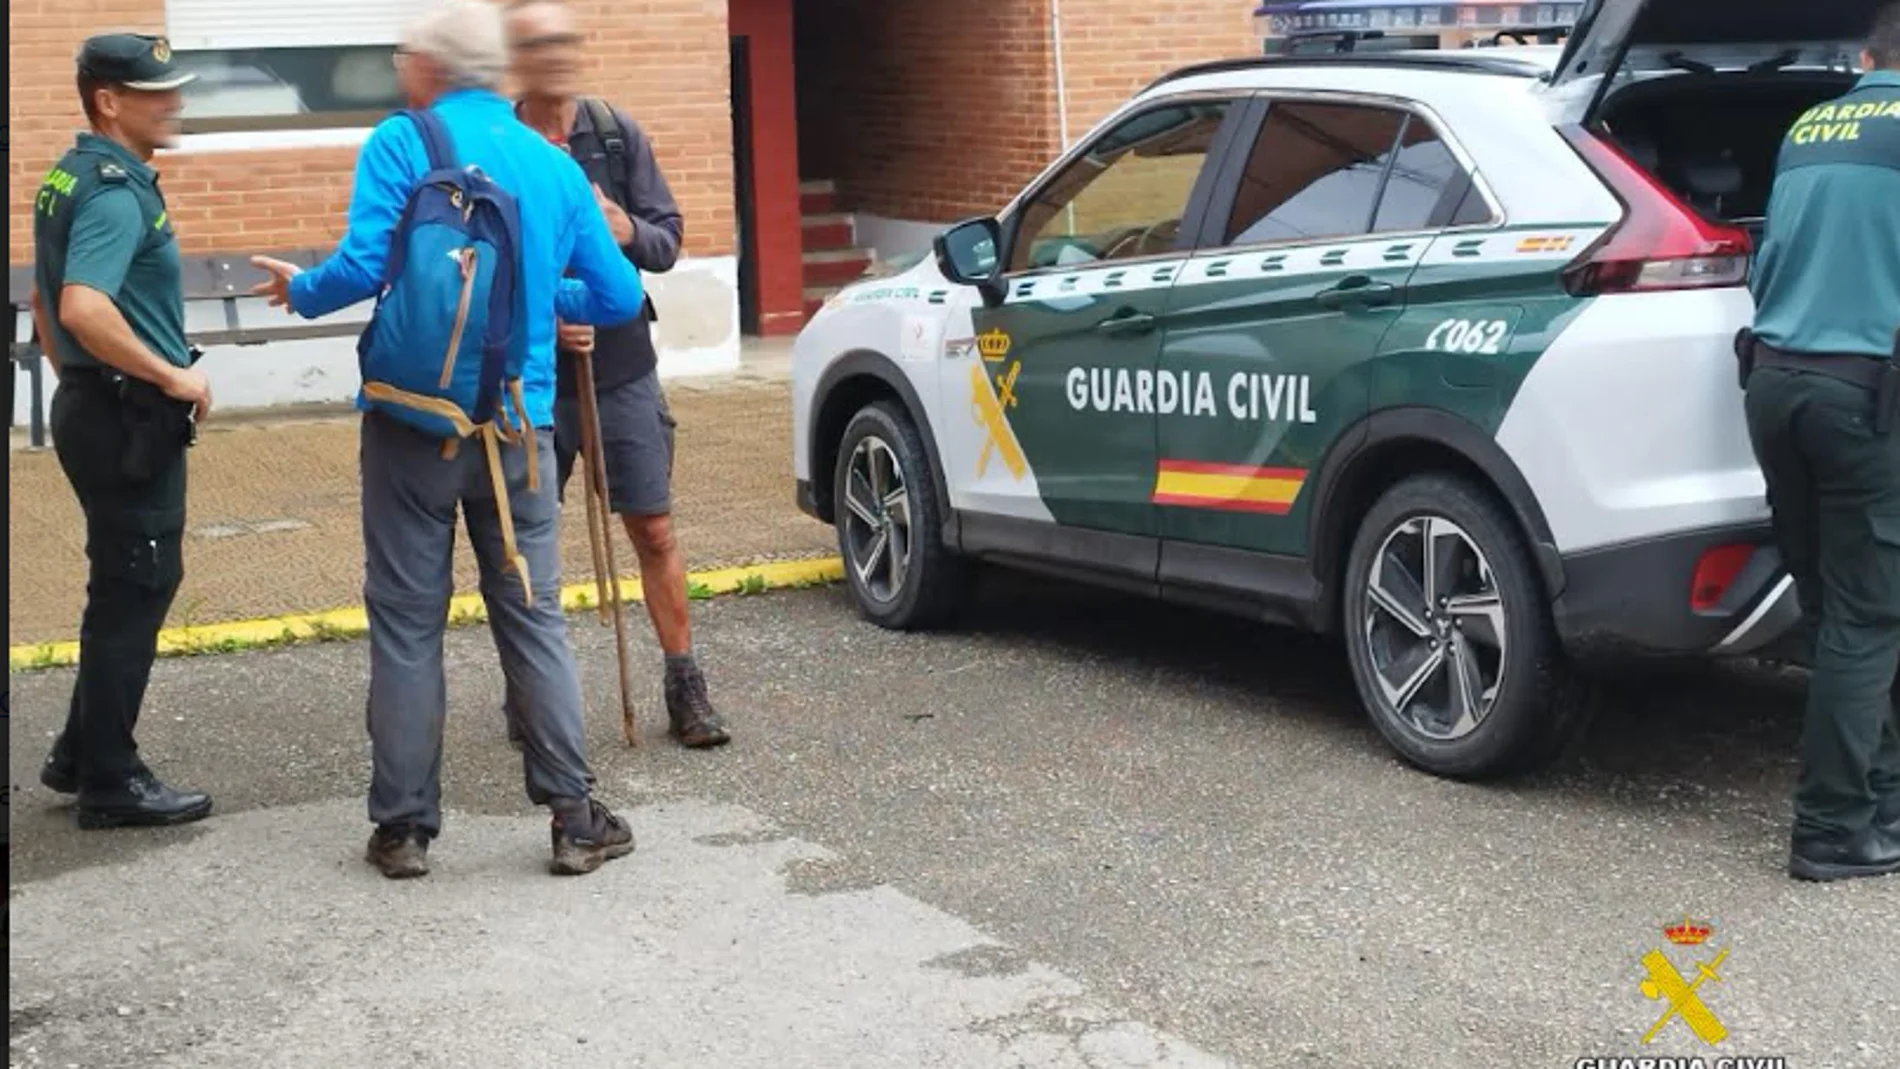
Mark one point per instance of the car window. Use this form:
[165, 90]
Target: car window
[1422, 170]
[1125, 197]
[1314, 172]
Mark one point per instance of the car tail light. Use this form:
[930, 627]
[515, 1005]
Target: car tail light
[1715, 573]
[1661, 244]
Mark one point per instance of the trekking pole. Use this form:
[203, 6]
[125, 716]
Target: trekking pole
[600, 532]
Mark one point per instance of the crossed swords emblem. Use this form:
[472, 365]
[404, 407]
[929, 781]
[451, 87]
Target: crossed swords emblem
[989, 409]
[1666, 983]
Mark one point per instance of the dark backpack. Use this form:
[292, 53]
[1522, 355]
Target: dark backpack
[612, 138]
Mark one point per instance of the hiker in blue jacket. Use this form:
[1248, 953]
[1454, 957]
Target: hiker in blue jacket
[452, 61]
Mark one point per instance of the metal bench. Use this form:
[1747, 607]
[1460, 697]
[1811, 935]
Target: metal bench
[219, 310]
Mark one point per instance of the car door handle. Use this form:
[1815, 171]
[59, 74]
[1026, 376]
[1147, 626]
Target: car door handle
[1358, 291]
[1127, 321]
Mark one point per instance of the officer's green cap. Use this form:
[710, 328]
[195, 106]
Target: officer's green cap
[133, 60]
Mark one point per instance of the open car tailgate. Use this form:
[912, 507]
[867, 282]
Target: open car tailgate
[1617, 36]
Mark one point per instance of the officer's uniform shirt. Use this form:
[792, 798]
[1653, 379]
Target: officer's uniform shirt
[1828, 276]
[100, 221]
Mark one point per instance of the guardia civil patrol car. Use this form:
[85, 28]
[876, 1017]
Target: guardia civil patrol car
[1432, 351]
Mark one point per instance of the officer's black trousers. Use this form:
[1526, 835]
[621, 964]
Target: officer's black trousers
[1834, 487]
[134, 543]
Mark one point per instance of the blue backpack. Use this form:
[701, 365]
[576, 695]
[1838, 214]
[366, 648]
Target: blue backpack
[441, 352]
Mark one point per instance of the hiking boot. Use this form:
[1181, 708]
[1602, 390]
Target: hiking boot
[586, 835]
[401, 853]
[689, 712]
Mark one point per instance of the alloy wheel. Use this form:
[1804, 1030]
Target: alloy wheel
[1435, 628]
[877, 524]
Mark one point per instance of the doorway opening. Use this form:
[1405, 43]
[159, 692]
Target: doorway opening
[745, 221]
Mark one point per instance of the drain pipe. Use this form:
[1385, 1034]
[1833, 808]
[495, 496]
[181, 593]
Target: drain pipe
[1062, 85]
[1062, 95]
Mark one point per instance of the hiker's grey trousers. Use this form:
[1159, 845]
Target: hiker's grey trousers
[410, 495]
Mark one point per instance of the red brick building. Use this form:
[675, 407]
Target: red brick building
[792, 131]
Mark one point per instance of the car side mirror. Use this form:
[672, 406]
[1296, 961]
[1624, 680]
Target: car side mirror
[966, 254]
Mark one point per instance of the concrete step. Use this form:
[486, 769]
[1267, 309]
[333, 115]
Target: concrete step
[828, 233]
[817, 197]
[835, 267]
[815, 297]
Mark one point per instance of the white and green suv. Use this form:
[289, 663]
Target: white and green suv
[1433, 351]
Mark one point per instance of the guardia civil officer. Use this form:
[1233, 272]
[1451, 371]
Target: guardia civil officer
[110, 306]
[1822, 398]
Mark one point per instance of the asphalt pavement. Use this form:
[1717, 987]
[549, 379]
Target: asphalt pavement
[1080, 830]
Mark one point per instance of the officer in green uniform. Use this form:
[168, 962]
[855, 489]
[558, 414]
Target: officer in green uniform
[1822, 394]
[110, 307]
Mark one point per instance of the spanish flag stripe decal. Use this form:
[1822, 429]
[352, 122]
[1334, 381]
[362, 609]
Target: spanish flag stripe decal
[1244, 471]
[1231, 487]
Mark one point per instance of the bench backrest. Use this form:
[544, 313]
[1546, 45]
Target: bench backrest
[205, 278]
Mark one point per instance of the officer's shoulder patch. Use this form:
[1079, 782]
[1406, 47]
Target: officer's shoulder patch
[112, 172]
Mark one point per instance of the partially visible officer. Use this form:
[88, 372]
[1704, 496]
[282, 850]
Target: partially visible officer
[123, 414]
[1823, 395]
[635, 427]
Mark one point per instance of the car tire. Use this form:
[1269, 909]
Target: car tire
[918, 582]
[1517, 708]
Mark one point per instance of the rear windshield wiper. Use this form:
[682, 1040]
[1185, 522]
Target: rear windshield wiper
[1786, 59]
[1684, 63]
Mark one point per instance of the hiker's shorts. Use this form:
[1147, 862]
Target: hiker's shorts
[636, 431]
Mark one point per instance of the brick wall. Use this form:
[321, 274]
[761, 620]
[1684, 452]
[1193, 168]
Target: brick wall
[664, 61]
[929, 111]
[1111, 50]
[924, 110]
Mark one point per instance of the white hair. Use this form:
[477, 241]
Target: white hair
[466, 37]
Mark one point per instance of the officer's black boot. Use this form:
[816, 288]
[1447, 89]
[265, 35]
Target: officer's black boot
[1875, 851]
[60, 774]
[140, 801]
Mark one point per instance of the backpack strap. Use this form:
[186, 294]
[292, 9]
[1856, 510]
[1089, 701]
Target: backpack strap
[441, 148]
[435, 137]
[612, 138]
[504, 300]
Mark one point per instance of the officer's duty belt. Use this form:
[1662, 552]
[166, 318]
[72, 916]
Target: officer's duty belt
[1878, 377]
[99, 378]
[1867, 372]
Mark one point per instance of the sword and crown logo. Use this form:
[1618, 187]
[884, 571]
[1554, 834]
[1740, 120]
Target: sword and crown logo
[1666, 984]
[990, 403]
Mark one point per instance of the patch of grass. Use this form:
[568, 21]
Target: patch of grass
[753, 583]
[199, 647]
[698, 591]
[328, 631]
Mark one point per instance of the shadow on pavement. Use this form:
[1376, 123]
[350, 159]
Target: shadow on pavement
[1696, 726]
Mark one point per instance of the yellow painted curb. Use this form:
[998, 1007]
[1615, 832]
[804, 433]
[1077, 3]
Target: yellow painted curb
[464, 609]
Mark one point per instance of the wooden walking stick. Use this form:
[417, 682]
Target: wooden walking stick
[601, 536]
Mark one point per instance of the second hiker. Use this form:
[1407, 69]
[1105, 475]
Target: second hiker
[637, 430]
